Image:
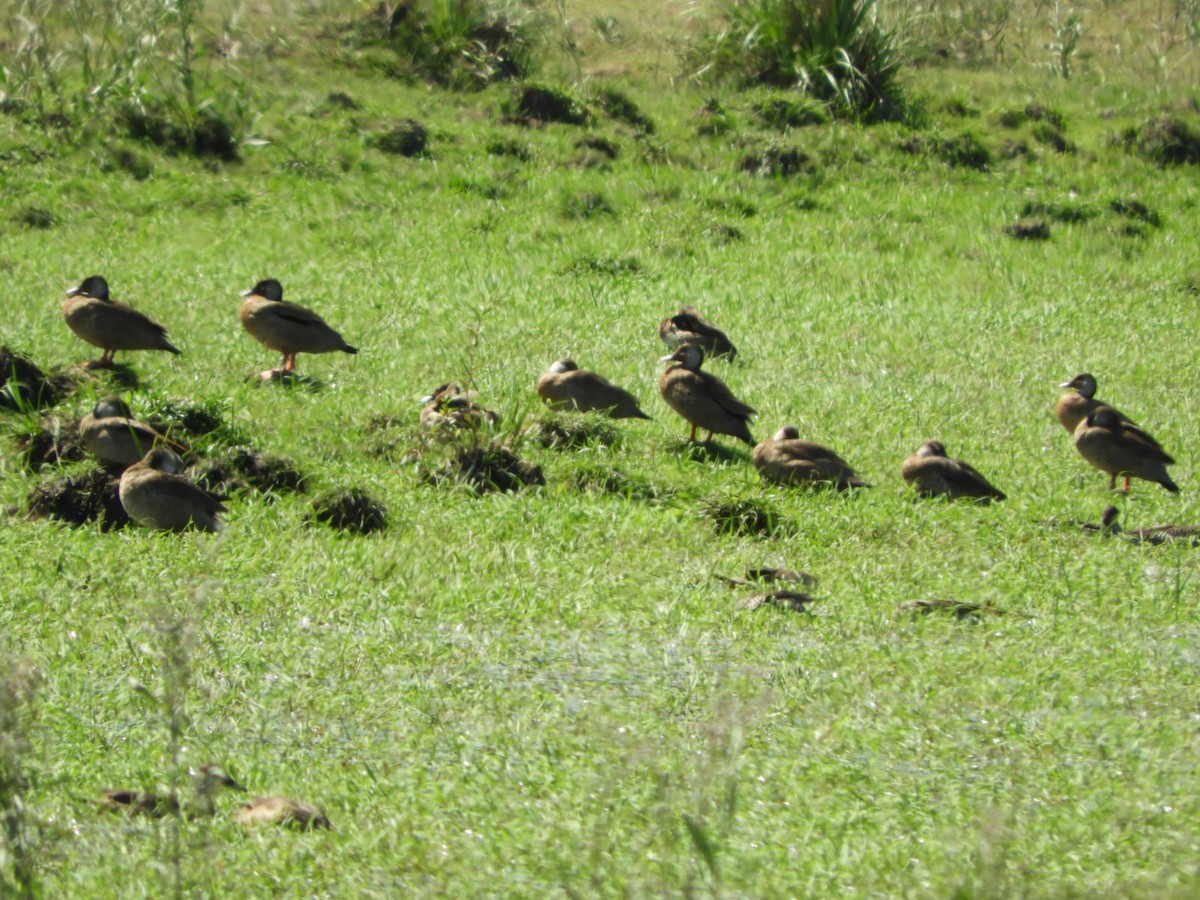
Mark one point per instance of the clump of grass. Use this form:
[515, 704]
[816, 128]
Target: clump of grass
[775, 162]
[738, 206]
[959, 151]
[722, 233]
[1029, 230]
[350, 509]
[744, 517]
[36, 217]
[617, 105]
[462, 44]
[543, 104]
[201, 131]
[1135, 209]
[602, 480]
[510, 148]
[586, 205]
[1166, 142]
[122, 159]
[488, 468]
[24, 386]
[1067, 213]
[19, 682]
[1051, 136]
[80, 499]
[570, 431]
[199, 418]
[835, 51]
[246, 469]
[783, 113]
[407, 138]
[598, 144]
[961, 610]
[53, 441]
[715, 120]
[612, 266]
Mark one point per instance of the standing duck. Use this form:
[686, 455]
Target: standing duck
[286, 327]
[449, 408]
[936, 475]
[689, 327]
[1118, 448]
[111, 434]
[1080, 402]
[156, 494]
[208, 779]
[110, 324]
[703, 399]
[785, 459]
[284, 812]
[565, 385]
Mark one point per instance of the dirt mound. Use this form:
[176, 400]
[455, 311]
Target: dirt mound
[351, 509]
[80, 499]
[246, 469]
[23, 385]
[487, 469]
[55, 441]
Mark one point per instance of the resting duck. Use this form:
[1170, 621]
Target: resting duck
[286, 327]
[703, 399]
[156, 494]
[1153, 534]
[284, 812]
[111, 434]
[449, 408]
[565, 385]
[785, 459]
[110, 324]
[936, 475]
[689, 327]
[1118, 448]
[209, 780]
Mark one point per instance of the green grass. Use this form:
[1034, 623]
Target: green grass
[547, 692]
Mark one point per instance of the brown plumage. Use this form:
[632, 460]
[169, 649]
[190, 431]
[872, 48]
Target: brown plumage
[111, 434]
[1120, 449]
[795, 601]
[208, 779]
[1153, 534]
[566, 386]
[449, 408]
[286, 327]
[689, 327]
[110, 324]
[703, 399]
[937, 475]
[283, 812]
[785, 459]
[156, 495]
[771, 575]
[1080, 402]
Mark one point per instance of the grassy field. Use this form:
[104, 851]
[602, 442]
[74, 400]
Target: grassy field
[548, 692]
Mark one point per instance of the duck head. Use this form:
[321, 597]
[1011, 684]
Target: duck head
[93, 286]
[563, 365]
[690, 356]
[932, 448]
[787, 433]
[1083, 383]
[268, 289]
[163, 459]
[212, 777]
[112, 406]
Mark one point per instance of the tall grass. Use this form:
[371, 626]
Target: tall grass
[836, 51]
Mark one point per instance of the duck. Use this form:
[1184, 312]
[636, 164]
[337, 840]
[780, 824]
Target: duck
[208, 779]
[1153, 534]
[111, 434]
[284, 812]
[110, 324]
[703, 400]
[565, 385]
[286, 327]
[785, 459]
[1118, 448]
[1080, 402]
[689, 327]
[156, 494]
[449, 408]
[772, 575]
[935, 475]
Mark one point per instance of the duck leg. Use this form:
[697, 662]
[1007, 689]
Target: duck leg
[1127, 485]
[1112, 483]
[104, 362]
[709, 438]
[692, 436]
[289, 362]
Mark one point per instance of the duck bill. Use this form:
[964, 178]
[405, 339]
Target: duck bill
[249, 292]
[670, 358]
[75, 291]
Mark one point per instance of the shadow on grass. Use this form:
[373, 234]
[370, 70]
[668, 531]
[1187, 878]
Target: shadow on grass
[287, 380]
[708, 452]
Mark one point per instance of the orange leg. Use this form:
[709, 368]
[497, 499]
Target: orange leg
[289, 362]
[692, 436]
[709, 438]
[1112, 483]
[1126, 484]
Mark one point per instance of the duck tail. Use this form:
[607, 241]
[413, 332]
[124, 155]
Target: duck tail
[346, 348]
[1169, 484]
